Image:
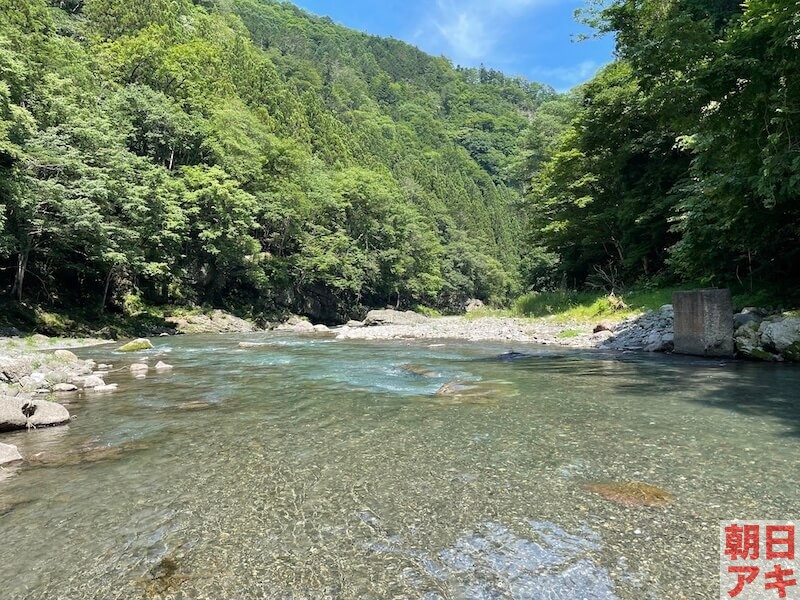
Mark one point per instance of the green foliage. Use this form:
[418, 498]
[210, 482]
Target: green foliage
[682, 158]
[248, 154]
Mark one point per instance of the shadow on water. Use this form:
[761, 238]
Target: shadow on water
[754, 390]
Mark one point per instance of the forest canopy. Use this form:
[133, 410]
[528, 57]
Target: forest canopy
[248, 155]
[681, 159]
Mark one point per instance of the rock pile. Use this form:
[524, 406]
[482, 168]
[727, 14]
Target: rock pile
[217, 321]
[651, 332]
[772, 338]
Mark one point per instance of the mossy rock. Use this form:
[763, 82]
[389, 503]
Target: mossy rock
[136, 345]
[632, 493]
[761, 354]
[792, 353]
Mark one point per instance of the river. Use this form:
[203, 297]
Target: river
[316, 468]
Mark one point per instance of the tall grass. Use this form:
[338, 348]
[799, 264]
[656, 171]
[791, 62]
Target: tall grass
[572, 305]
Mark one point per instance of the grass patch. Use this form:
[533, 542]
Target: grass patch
[587, 306]
[427, 311]
[569, 333]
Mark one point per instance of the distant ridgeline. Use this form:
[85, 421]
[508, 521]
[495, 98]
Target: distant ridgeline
[246, 154]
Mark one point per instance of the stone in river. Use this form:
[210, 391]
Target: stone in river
[9, 454]
[631, 493]
[21, 413]
[136, 345]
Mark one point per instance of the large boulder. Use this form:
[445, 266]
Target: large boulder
[778, 335]
[473, 305]
[748, 315]
[20, 413]
[42, 413]
[217, 321]
[394, 317]
[93, 381]
[9, 454]
[297, 325]
[65, 356]
[746, 339]
[303, 327]
[11, 416]
[136, 345]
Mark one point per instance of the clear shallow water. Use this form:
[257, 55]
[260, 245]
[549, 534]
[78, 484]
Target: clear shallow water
[312, 468]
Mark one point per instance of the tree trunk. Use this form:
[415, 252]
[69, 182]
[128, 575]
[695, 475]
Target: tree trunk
[105, 291]
[19, 278]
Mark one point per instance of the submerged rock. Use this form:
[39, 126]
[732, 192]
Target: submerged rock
[162, 366]
[90, 452]
[418, 370]
[163, 578]
[111, 387]
[139, 368]
[195, 405]
[632, 493]
[136, 345]
[474, 392]
[253, 344]
[9, 454]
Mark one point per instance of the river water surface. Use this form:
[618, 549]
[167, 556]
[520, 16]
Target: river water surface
[315, 468]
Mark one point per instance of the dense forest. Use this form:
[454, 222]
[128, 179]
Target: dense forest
[681, 159]
[248, 155]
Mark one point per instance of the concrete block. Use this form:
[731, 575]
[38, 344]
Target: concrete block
[703, 322]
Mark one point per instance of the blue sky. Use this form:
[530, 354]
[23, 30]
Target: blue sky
[533, 38]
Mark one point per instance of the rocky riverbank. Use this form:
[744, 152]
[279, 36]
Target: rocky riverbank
[758, 334]
[388, 324]
[39, 376]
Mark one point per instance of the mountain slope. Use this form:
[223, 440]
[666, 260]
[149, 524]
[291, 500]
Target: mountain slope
[250, 155]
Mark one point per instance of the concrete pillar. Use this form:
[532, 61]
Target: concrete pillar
[703, 322]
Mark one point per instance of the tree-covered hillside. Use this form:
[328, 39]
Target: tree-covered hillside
[680, 160]
[243, 153]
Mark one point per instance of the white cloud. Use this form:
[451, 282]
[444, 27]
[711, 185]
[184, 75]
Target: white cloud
[564, 78]
[470, 29]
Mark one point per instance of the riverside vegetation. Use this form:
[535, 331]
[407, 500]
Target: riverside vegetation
[247, 155]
